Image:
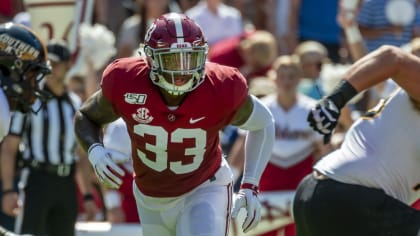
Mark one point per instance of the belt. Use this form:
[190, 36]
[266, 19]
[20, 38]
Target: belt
[61, 170]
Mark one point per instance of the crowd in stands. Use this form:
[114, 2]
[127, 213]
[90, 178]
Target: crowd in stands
[292, 53]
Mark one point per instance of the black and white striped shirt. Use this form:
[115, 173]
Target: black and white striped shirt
[48, 136]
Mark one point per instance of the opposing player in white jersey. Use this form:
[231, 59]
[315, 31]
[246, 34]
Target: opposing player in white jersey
[23, 64]
[296, 146]
[367, 186]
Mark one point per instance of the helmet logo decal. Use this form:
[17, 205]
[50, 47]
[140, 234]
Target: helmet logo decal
[17, 47]
[142, 116]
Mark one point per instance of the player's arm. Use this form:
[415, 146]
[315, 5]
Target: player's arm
[9, 149]
[257, 119]
[372, 69]
[94, 113]
[383, 63]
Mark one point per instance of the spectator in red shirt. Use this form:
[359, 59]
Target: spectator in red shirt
[252, 53]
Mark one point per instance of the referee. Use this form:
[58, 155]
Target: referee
[47, 187]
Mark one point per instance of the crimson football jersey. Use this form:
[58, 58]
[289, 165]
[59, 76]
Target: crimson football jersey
[173, 151]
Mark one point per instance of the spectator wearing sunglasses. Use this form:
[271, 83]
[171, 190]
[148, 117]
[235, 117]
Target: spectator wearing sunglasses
[312, 56]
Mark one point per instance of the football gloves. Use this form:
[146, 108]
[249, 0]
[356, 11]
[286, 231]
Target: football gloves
[104, 162]
[324, 118]
[247, 198]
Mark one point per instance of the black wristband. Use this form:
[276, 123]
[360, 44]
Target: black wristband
[342, 93]
[88, 197]
[7, 191]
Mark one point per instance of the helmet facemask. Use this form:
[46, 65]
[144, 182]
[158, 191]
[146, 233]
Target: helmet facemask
[22, 85]
[172, 66]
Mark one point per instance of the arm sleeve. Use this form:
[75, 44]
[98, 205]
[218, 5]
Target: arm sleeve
[259, 142]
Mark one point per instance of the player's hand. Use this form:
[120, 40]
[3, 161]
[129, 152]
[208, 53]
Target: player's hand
[247, 198]
[324, 118]
[10, 204]
[104, 162]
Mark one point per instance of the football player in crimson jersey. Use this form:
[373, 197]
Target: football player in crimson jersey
[175, 104]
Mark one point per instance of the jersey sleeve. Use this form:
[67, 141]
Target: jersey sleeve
[235, 92]
[108, 81]
[239, 89]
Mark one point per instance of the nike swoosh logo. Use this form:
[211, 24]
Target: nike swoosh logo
[193, 121]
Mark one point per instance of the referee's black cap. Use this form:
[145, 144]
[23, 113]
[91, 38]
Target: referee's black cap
[58, 51]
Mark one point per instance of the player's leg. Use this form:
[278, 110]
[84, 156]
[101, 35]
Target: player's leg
[395, 218]
[206, 211]
[301, 205]
[359, 210]
[327, 207]
[157, 216]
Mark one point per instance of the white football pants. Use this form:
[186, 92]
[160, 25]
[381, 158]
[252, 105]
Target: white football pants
[205, 211]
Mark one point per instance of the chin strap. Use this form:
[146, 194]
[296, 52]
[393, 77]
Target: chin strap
[172, 89]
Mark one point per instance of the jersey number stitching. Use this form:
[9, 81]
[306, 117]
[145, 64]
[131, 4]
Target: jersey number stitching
[161, 162]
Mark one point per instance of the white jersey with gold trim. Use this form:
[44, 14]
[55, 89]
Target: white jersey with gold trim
[5, 115]
[381, 150]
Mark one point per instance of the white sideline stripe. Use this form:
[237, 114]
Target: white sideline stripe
[107, 229]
